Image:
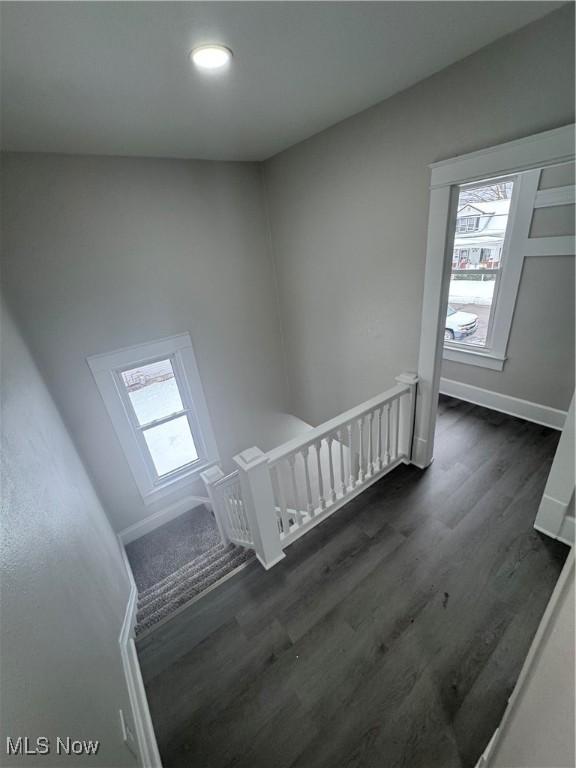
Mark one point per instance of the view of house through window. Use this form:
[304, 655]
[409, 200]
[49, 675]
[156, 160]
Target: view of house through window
[161, 417]
[480, 234]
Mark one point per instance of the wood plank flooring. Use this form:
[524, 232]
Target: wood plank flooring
[391, 635]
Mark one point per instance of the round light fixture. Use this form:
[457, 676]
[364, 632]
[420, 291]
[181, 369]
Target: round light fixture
[211, 56]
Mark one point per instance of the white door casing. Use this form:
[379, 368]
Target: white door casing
[549, 148]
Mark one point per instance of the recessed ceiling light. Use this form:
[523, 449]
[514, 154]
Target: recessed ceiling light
[211, 56]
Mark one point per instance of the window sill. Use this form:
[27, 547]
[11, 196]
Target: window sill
[474, 357]
[176, 484]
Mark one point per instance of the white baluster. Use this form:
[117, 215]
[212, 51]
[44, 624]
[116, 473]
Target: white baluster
[297, 505]
[351, 478]
[329, 441]
[304, 454]
[234, 513]
[342, 467]
[370, 468]
[277, 482]
[276, 491]
[361, 449]
[211, 476]
[229, 504]
[387, 454]
[321, 500]
[240, 516]
[397, 428]
[379, 441]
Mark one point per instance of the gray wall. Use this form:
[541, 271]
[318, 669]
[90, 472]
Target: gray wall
[102, 253]
[64, 588]
[349, 209]
[540, 356]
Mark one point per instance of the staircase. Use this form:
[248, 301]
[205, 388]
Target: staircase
[274, 498]
[162, 599]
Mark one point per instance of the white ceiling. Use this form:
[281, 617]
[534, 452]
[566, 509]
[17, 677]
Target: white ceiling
[114, 78]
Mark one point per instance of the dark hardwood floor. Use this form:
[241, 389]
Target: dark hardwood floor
[391, 635]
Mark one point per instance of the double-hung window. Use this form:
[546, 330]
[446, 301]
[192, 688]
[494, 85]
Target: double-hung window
[479, 258]
[154, 397]
[520, 218]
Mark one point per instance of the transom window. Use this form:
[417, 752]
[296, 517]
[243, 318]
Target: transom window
[155, 400]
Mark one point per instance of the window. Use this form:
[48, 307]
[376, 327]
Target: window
[476, 268]
[155, 400]
[158, 413]
[467, 224]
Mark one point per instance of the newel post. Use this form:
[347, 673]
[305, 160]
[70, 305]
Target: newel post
[211, 476]
[260, 505]
[407, 410]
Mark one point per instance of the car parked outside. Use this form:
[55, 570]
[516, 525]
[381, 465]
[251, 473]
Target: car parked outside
[459, 324]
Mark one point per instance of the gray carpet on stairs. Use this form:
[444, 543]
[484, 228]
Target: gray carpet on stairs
[163, 551]
[178, 561]
[162, 599]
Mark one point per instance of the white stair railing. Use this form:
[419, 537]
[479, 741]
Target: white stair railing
[225, 495]
[276, 497]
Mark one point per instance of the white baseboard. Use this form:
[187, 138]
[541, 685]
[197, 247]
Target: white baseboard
[485, 756]
[155, 520]
[149, 756]
[513, 406]
[130, 615]
[145, 736]
[551, 514]
[554, 520]
[568, 530]
[566, 535]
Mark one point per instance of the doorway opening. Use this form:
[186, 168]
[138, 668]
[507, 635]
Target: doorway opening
[459, 259]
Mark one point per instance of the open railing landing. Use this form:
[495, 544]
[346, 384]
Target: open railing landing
[274, 498]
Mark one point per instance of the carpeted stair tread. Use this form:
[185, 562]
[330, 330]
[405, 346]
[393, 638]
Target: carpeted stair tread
[182, 580]
[171, 605]
[187, 583]
[186, 579]
[191, 588]
[173, 545]
[198, 563]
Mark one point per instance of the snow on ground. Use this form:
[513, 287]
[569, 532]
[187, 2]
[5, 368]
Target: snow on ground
[471, 291]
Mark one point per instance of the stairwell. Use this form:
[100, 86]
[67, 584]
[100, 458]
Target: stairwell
[162, 600]
[274, 498]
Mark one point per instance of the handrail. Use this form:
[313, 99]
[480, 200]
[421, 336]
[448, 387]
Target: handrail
[328, 427]
[274, 498]
[226, 479]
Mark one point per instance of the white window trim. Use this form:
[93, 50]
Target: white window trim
[106, 369]
[475, 356]
[549, 198]
[554, 147]
[518, 246]
[493, 355]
